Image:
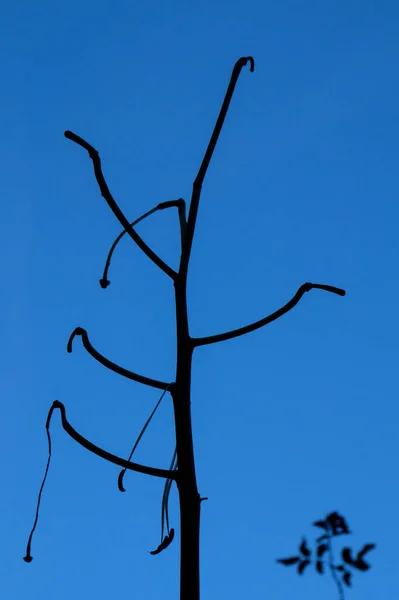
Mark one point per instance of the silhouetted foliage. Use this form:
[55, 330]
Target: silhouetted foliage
[334, 525]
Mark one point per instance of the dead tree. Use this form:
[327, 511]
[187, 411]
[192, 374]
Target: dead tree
[182, 470]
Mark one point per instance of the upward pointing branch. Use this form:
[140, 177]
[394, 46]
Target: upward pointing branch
[197, 185]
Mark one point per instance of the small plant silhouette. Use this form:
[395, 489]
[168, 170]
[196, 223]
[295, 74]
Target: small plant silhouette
[334, 524]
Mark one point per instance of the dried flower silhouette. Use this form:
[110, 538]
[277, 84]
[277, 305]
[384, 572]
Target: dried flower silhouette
[334, 525]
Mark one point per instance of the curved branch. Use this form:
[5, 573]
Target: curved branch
[104, 279]
[104, 282]
[161, 385]
[165, 473]
[106, 194]
[195, 198]
[306, 287]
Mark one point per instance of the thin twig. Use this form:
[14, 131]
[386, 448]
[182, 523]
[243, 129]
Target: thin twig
[104, 280]
[332, 568]
[28, 556]
[136, 443]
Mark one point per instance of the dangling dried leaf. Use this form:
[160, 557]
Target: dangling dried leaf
[288, 561]
[302, 566]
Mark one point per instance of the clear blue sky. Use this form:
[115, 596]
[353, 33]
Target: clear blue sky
[291, 422]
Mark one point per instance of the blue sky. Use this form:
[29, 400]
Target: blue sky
[291, 422]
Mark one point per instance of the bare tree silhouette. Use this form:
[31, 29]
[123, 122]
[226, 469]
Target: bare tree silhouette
[182, 466]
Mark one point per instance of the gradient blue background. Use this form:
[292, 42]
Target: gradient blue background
[291, 422]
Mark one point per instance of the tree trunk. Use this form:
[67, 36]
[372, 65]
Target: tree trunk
[186, 482]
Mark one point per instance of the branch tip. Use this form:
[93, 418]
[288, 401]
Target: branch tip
[252, 63]
[76, 331]
[81, 142]
[328, 288]
[120, 481]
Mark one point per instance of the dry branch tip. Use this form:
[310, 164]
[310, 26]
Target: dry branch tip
[81, 142]
[77, 331]
[252, 63]
[120, 481]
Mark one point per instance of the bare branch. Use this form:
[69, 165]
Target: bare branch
[161, 385]
[106, 194]
[165, 473]
[306, 287]
[195, 198]
[181, 205]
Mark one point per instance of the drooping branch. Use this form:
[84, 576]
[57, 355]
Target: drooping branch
[161, 385]
[197, 185]
[121, 462]
[306, 287]
[180, 204]
[106, 194]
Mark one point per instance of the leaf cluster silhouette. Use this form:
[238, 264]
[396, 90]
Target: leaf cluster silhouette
[334, 525]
